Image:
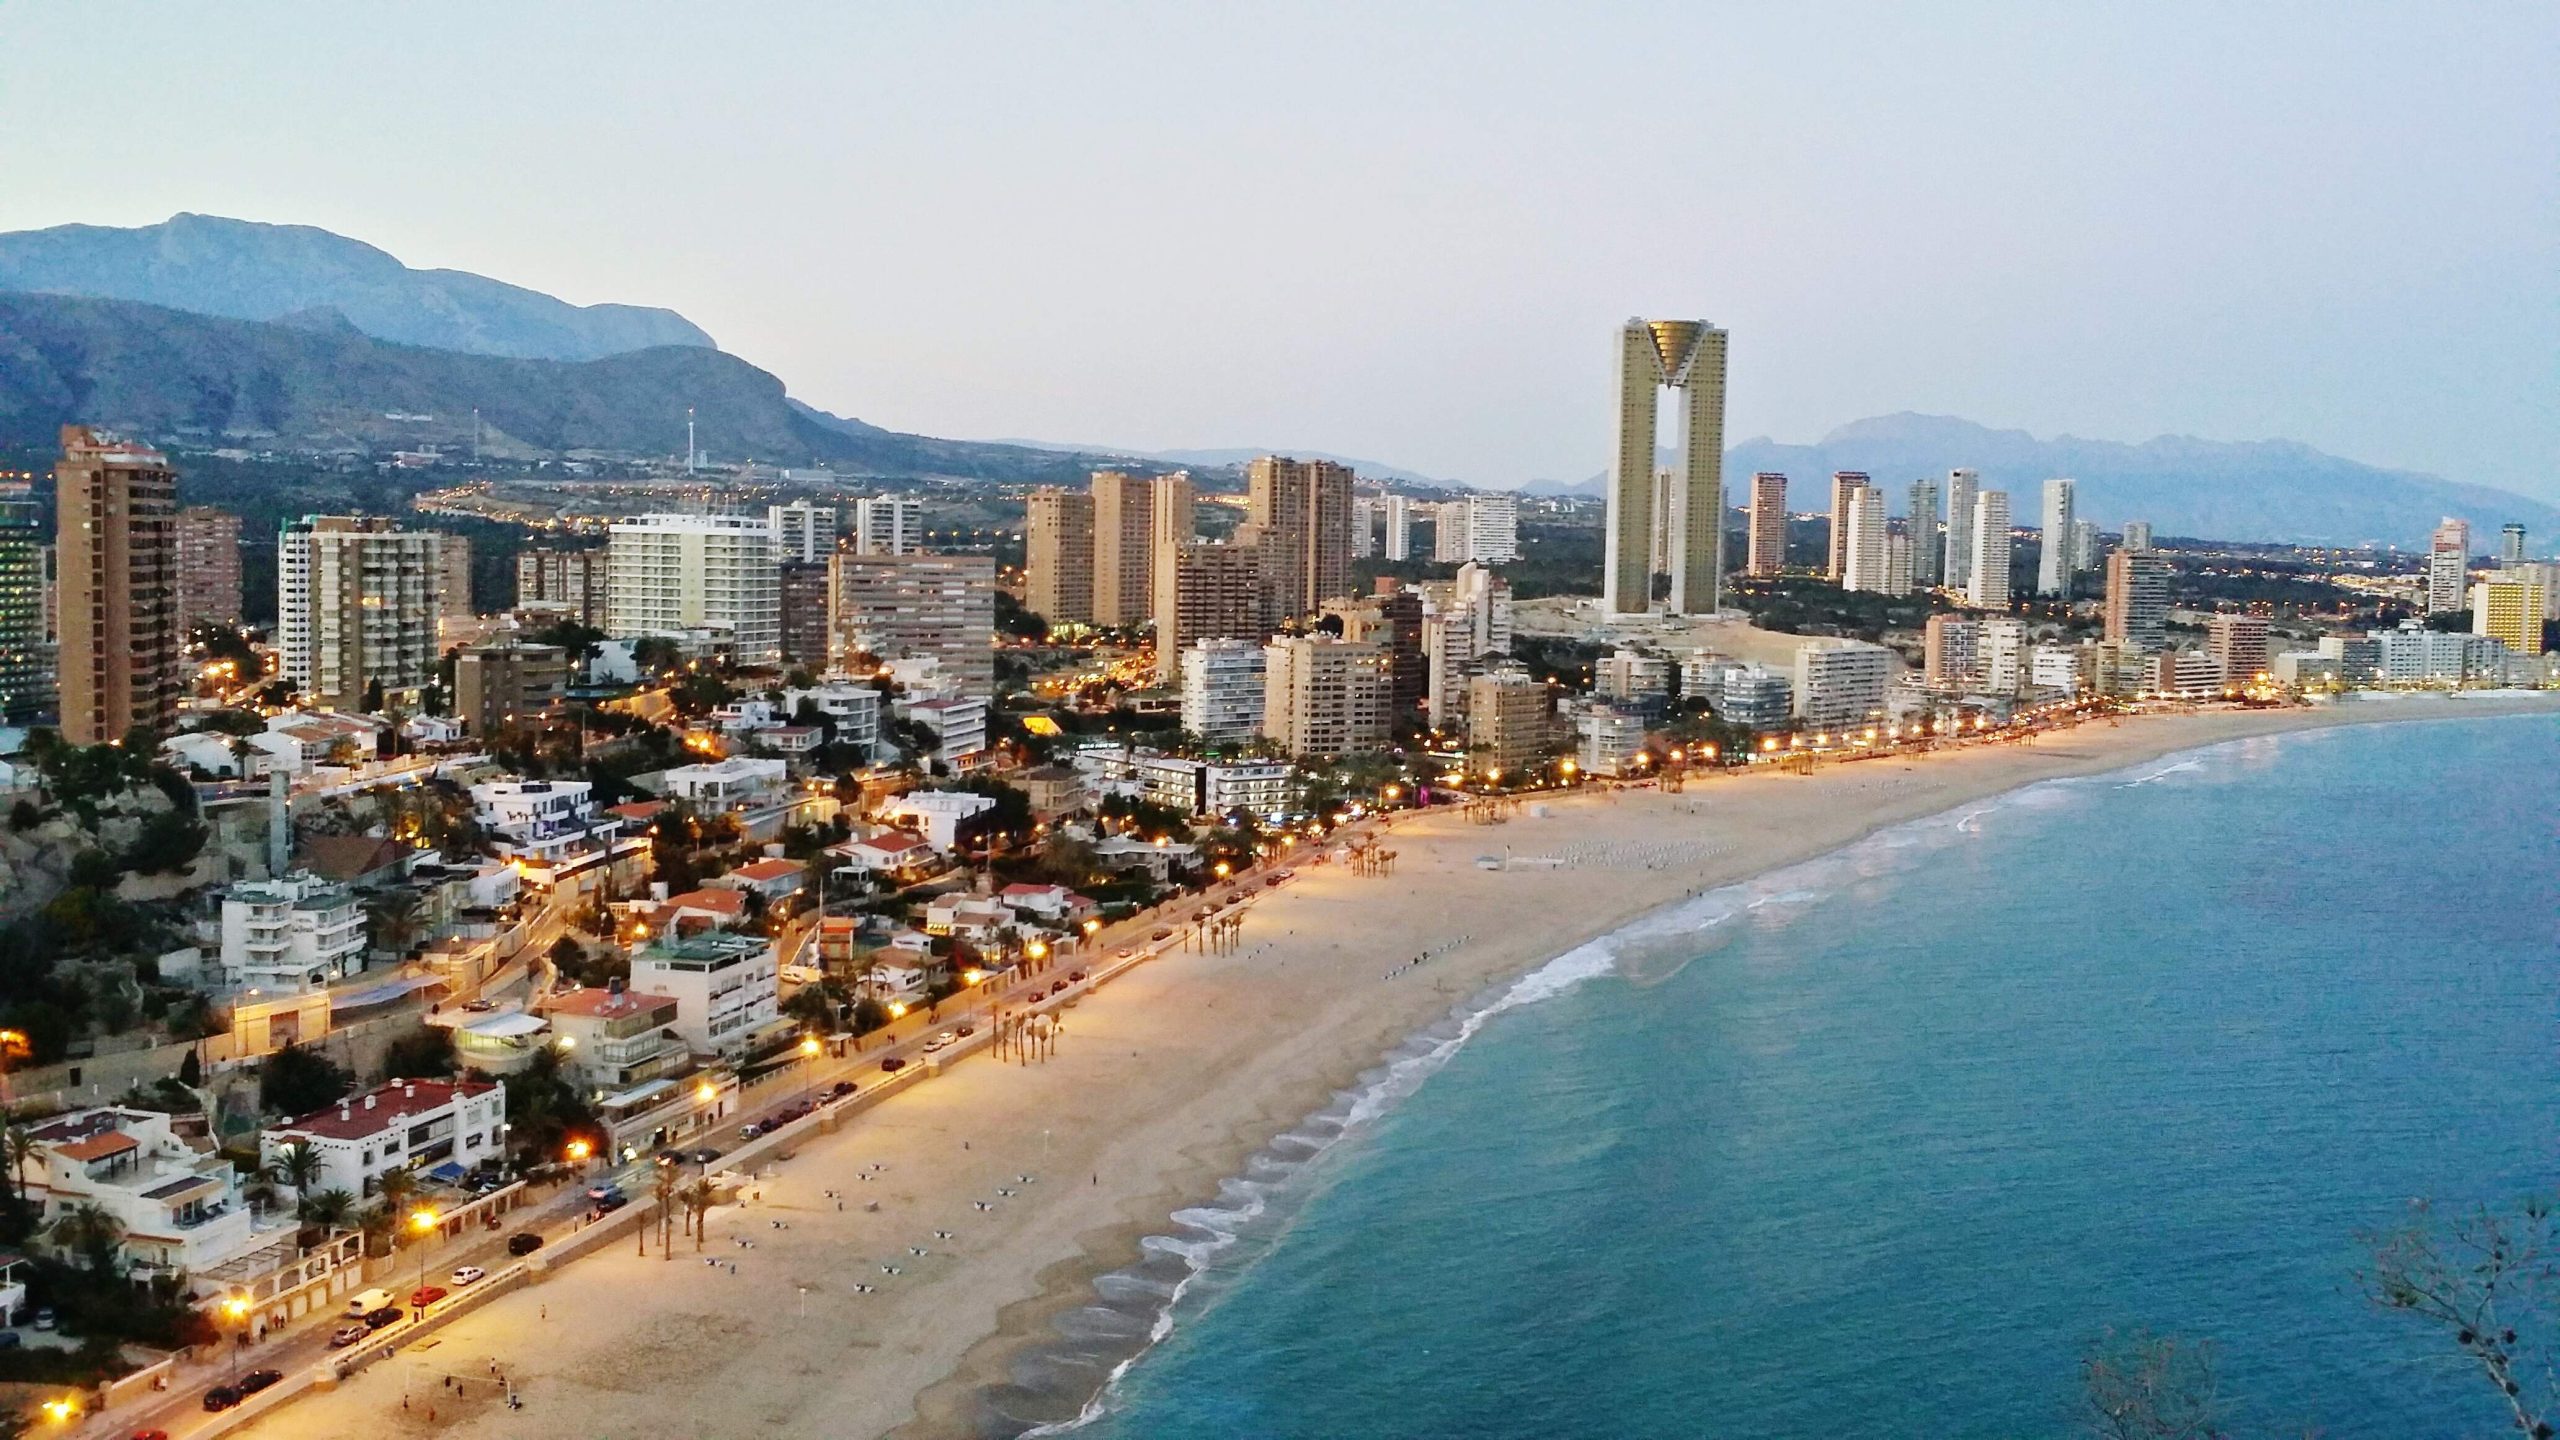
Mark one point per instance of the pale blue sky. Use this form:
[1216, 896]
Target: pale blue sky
[1408, 231]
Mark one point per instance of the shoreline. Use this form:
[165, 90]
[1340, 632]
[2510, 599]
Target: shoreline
[907, 1311]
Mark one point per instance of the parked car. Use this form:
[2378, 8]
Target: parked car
[523, 1242]
[149, 1435]
[840, 1089]
[1124, 952]
[479, 1007]
[965, 1031]
[943, 1041]
[11, 1339]
[346, 1335]
[221, 1397]
[387, 1315]
[802, 974]
[257, 1380]
[425, 1295]
[1075, 977]
[467, 1275]
[1058, 987]
[706, 1156]
[750, 1130]
[893, 1063]
[1161, 935]
[44, 1318]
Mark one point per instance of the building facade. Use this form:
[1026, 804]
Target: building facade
[940, 607]
[1682, 520]
[1205, 591]
[2137, 603]
[294, 933]
[2448, 567]
[1510, 723]
[1928, 551]
[576, 583]
[1841, 686]
[495, 686]
[1964, 488]
[435, 1127]
[1222, 691]
[2054, 558]
[358, 601]
[1987, 582]
[2239, 644]
[696, 572]
[803, 585]
[1846, 487]
[27, 689]
[1058, 558]
[2509, 611]
[1299, 512]
[116, 587]
[1766, 551]
[1858, 541]
[802, 531]
[727, 989]
[208, 568]
[1323, 696]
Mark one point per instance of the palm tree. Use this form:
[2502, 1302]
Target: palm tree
[329, 1208]
[698, 1199]
[396, 921]
[376, 1223]
[17, 1147]
[396, 1189]
[90, 1231]
[295, 1167]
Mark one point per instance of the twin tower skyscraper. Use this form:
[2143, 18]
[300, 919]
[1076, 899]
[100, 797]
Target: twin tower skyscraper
[1667, 521]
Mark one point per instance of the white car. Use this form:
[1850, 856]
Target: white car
[943, 1041]
[468, 1274]
[801, 975]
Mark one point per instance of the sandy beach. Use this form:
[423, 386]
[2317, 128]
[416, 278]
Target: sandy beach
[1163, 1082]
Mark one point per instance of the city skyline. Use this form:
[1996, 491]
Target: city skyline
[2385, 170]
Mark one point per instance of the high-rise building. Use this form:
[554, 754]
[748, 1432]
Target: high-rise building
[497, 685]
[1511, 720]
[1222, 691]
[2510, 610]
[1767, 550]
[2005, 655]
[1205, 591]
[887, 525]
[2137, 535]
[1323, 696]
[1489, 528]
[1987, 568]
[2511, 544]
[1687, 356]
[2053, 564]
[1928, 552]
[453, 576]
[1840, 684]
[938, 606]
[2084, 545]
[27, 689]
[2137, 599]
[807, 591]
[1897, 562]
[2239, 644]
[1858, 535]
[802, 531]
[1057, 566]
[2448, 567]
[1962, 487]
[358, 601]
[698, 572]
[577, 583]
[208, 568]
[1300, 514]
[1392, 618]
[1398, 541]
[1124, 550]
[1951, 654]
[1846, 485]
[1171, 522]
[1364, 526]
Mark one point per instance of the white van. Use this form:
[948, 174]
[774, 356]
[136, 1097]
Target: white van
[365, 1302]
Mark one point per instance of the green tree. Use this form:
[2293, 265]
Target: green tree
[296, 1167]
[425, 1052]
[294, 1082]
[396, 919]
[90, 1232]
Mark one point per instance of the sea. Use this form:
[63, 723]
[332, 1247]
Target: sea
[1883, 1143]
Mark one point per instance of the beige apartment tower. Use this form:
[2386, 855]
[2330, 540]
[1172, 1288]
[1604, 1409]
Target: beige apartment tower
[1687, 356]
[115, 512]
[208, 568]
[1768, 552]
[1058, 556]
[1299, 514]
[1123, 548]
[1323, 696]
[1205, 591]
[1845, 488]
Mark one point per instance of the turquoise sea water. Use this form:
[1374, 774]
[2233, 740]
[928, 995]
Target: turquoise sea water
[1915, 1122]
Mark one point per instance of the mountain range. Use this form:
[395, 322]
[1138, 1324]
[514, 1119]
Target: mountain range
[2254, 490]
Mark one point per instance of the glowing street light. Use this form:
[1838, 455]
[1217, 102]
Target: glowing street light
[422, 1220]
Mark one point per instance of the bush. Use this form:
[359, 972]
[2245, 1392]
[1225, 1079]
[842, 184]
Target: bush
[295, 1081]
[423, 1053]
[25, 815]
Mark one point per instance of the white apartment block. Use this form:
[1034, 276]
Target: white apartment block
[727, 989]
[854, 710]
[1862, 563]
[542, 820]
[357, 605]
[1841, 685]
[2448, 567]
[440, 1128]
[1631, 675]
[958, 723]
[180, 1207]
[294, 933]
[1222, 690]
[1987, 564]
[1753, 697]
[1490, 525]
[693, 572]
[1611, 740]
[802, 531]
[1195, 787]
[1364, 526]
[2002, 655]
[1324, 696]
[937, 815]
[2053, 562]
[741, 782]
[887, 525]
[1397, 542]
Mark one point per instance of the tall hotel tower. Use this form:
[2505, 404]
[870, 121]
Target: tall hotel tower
[1687, 356]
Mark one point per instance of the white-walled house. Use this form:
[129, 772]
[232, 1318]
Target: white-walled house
[293, 933]
[424, 1125]
[938, 814]
[727, 989]
[180, 1207]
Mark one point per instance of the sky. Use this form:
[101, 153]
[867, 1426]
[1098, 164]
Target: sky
[1408, 232]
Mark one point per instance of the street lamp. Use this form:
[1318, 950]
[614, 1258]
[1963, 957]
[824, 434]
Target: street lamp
[60, 1411]
[235, 1308]
[424, 1222]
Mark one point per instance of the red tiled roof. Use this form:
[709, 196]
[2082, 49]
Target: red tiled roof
[719, 902]
[98, 1147]
[637, 809]
[893, 843]
[605, 1004]
[769, 870]
[1027, 891]
[395, 1103]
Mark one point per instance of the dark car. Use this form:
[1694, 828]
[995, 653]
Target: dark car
[706, 1157]
[257, 1380]
[425, 1295]
[1075, 977]
[523, 1243]
[387, 1315]
[840, 1089]
[11, 1339]
[966, 1030]
[221, 1397]
[1161, 935]
[893, 1063]
[1058, 987]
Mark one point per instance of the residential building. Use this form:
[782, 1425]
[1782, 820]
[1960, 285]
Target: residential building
[1397, 542]
[1364, 526]
[1928, 551]
[1205, 591]
[27, 688]
[1324, 696]
[1987, 583]
[1510, 723]
[497, 685]
[438, 1128]
[208, 568]
[1124, 546]
[116, 587]
[2414, 654]
[1391, 616]
[1766, 554]
[2137, 604]
[958, 723]
[1858, 539]
[1612, 739]
[2303, 669]
[887, 525]
[178, 1208]
[1054, 791]
[774, 878]
[2359, 657]
[1897, 563]
[937, 815]
[1631, 675]
[2509, 611]
[1058, 558]
[358, 602]
[1222, 691]
[296, 932]
[1952, 654]
[1195, 787]
[2053, 564]
[453, 577]
[2084, 545]
[2448, 567]
[694, 572]
[1171, 522]
[1299, 512]
[2511, 544]
[803, 532]
[941, 607]
[2239, 644]
[1486, 527]
[2137, 535]
[851, 712]
[1681, 518]
[741, 782]
[727, 989]
[803, 585]
[541, 820]
[2062, 669]
[1964, 489]
[2005, 656]
[1842, 684]
[1465, 623]
[613, 1038]
[576, 583]
[1754, 697]
[1846, 486]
